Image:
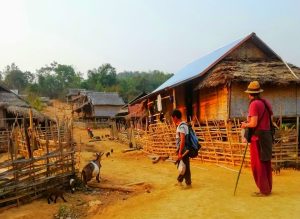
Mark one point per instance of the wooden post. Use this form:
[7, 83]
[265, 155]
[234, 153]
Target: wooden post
[228, 100]
[30, 119]
[297, 145]
[27, 139]
[47, 146]
[229, 139]
[72, 146]
[174, 98]
[59, 142]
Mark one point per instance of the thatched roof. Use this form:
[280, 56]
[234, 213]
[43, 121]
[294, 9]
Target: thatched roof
[202, 65]
[16, 105]
[215, 68]
[266, 72]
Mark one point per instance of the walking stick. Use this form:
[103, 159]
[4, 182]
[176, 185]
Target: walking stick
[237, 180]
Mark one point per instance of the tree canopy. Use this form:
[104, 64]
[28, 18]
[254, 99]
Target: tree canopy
[55, 79]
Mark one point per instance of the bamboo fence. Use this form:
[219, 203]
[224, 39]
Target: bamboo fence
[4, 137]
[38, 159]
[221, 142]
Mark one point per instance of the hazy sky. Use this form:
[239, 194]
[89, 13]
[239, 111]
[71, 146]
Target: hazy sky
[139, 34]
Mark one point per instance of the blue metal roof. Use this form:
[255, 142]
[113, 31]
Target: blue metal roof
[199, 66]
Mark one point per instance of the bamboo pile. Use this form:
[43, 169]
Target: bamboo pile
[39, 159]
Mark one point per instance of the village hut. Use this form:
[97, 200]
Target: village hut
[98, 106]
[137, 111]
[12, 106]
[210, 93]
[211, 88]
[132, 114]
[14, 109]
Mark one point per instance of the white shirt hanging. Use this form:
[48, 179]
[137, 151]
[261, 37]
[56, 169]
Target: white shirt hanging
[159, 105]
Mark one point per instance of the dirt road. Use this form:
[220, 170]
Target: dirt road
[211, 195]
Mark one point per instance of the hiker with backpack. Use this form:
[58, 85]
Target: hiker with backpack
[181, 132]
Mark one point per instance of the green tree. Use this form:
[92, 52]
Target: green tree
[102, 78]
[66, 76]
[35, 101]
[55, 79]
[16, 79]
[133, 83]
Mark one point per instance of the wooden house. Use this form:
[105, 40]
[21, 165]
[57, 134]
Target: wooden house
[212, 87]
[210, 92]
[97, 105]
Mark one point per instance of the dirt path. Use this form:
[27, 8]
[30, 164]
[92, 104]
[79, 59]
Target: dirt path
[211, 195]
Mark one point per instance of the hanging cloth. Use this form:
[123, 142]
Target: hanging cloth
[159, 105]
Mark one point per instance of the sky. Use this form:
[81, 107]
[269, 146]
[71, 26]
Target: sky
[139, 35]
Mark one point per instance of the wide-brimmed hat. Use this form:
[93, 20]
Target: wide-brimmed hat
[254, 88]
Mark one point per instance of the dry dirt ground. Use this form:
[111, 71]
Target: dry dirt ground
[211, 195]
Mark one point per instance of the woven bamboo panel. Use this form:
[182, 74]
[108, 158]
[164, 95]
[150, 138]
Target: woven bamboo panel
[26, 176]
[4, 137]
[221, 143]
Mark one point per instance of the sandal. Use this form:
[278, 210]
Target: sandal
[258, 194]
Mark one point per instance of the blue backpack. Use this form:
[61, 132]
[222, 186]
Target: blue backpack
[192, 142]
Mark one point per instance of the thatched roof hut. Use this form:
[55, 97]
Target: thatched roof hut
[12, 105]
[212, 86]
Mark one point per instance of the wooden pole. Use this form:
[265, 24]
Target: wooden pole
[47, 146]
[238, 177]
[228, 100]
[59, 139]
[27, 139]
[297, 145]
[30, 119]
[72, 146]
[229, 139]
[174, 98]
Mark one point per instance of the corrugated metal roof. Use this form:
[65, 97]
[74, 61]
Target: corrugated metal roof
[197, 67]
[106, 111]
[105, 98]
[74, 91]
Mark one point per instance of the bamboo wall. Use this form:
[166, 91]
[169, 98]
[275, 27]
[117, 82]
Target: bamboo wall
[44, 160]
[180, 101]
[284, 100]
[213, 104]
